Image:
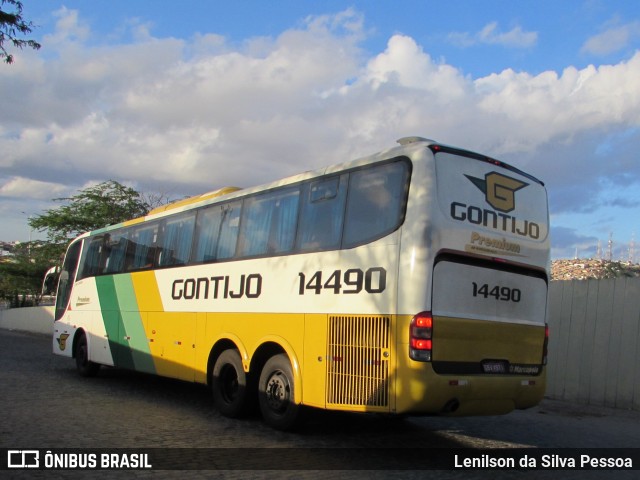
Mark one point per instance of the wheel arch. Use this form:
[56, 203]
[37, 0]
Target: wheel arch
[76, 337]
[253, 364]
[226, 342]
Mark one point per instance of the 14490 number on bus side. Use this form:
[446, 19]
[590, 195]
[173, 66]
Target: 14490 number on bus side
[351, 281]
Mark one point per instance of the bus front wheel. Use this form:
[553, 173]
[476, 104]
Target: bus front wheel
[85, 367]
[229, 384]
[276, 394]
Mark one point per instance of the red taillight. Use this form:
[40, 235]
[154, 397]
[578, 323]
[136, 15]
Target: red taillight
[419, 344]
[423, 322]
[420, 337]
[545, 347]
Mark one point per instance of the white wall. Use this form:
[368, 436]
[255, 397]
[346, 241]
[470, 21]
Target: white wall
[30, 319]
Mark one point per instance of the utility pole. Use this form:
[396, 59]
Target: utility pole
[30, 233]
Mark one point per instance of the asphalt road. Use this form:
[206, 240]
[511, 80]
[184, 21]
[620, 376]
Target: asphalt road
[47, 405]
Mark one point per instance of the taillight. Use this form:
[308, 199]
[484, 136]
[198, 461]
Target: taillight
[545, 347]
[420, 337]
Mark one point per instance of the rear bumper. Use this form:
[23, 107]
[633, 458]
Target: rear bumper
[421, 391]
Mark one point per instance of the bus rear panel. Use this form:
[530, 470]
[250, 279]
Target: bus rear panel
[477, 342]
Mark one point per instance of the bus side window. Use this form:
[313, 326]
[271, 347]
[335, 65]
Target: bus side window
[322, 214]
[117, 251]
[93, 257]
[229, 230]
[375, 206]
[175, 245]
[216, 232]
[269, 223]
[207, 230]
[142, 242]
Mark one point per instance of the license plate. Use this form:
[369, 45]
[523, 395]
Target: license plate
[494, 367]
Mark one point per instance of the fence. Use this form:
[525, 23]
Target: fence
[594, 348]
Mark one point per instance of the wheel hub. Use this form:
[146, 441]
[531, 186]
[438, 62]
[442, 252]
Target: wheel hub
[277, 392]
[229, 384]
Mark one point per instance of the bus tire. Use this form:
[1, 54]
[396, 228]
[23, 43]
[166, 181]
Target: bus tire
[230, 386]
[276, 394]
[85, 367]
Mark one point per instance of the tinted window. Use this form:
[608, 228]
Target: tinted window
[217, 232]
[116, 244]
[339, 211]
[175, 244]
[322, 214]
[67, 277]
[229, 230]
[142, 242]
[269, 222]
[375, 205]
[93, 257]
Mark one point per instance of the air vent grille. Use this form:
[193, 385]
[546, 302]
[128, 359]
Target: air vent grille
[358, 361]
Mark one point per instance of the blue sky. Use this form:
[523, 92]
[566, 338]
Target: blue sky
[184, 97]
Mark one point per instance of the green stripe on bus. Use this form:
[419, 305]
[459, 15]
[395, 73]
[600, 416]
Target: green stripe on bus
[134, 328]
[122, 321]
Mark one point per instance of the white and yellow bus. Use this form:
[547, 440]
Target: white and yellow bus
[413, 281]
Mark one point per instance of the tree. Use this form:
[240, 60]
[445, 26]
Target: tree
[95, 207]
[21, 276]
[107, 203]
[11, 25]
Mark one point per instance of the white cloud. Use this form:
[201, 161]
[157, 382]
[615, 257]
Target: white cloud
[515, 37]
[191, 115]
[69, 27]
[407, 65]
[18, 187]
[491, 35]
[547, 106]
[613, 39]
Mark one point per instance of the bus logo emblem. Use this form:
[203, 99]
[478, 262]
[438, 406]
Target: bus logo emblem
[62, 341]
[499, 190]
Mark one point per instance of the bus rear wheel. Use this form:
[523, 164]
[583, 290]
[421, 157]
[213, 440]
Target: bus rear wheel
[85, 367]
[276, 394]
[230, 387]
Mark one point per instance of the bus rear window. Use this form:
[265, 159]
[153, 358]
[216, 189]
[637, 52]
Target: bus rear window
[376, 203]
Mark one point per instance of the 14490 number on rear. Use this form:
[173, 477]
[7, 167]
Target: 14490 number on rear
[504, 294]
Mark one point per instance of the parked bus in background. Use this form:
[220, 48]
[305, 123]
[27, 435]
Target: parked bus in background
[50, 281]
[413, 281]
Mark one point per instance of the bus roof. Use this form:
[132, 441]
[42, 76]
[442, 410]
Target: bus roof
[407, 144]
